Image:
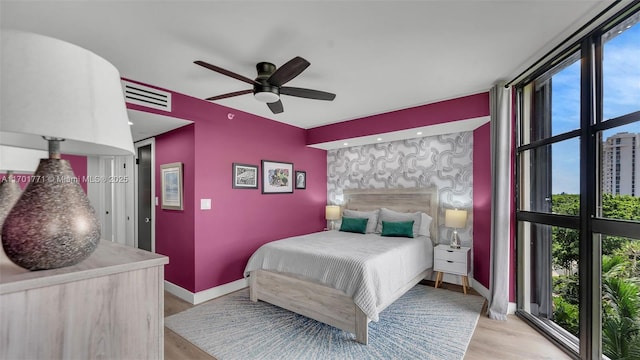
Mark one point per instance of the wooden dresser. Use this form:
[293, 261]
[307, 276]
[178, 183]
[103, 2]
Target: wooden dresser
[110, 306]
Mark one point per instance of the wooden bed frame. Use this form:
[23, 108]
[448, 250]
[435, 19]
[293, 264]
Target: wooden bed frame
[331, 306]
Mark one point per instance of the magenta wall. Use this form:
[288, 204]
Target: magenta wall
[466, 107]
[208, 248]
[175, 228]
[79, 166]
[482, 204]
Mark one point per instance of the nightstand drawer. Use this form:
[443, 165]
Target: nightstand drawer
[454, 255]
[451, 267]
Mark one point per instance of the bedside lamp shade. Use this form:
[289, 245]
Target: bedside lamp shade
[73, 99]
[455, 218]
[332, 212]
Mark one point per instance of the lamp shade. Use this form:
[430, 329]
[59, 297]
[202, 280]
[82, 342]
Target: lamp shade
[455, 218]
[332, 212]
[55, 89]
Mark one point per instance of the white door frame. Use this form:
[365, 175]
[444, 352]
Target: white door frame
[110, 188]
[141, 143]
[107, 197]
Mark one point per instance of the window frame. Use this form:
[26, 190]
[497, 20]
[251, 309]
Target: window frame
[590, 224]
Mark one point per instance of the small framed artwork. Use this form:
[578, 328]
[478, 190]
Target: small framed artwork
[171, 179]
[301, 179]
[277, 177]
[245, 176]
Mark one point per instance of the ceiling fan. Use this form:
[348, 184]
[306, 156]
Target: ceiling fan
[267, 87]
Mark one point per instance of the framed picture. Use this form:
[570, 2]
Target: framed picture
[245, 176]
[277, 177]
[301, 179]
[171, 178]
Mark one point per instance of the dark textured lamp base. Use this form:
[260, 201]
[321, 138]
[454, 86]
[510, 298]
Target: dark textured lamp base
[53, 224]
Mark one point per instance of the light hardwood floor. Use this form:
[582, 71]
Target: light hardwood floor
[511, 339]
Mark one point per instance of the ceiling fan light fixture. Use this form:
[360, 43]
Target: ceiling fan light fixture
[266, 96]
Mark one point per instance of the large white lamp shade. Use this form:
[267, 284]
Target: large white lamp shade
[53, 88]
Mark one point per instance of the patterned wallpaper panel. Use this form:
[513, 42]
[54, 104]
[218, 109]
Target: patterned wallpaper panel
[443, 160]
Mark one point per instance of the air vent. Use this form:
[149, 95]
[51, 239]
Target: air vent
[146, 96]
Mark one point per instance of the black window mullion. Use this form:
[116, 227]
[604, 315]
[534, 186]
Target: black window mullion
[566, 221]
[622, 228]
[616, 122]
[550, 140]
[590, 291]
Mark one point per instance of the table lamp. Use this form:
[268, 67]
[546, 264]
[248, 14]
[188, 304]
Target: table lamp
[332, 213]
[60, 97]
[455, 219]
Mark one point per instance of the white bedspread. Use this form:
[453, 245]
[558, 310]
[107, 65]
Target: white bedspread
[367, 267]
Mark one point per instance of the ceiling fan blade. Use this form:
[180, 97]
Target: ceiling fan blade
[235, 93]
[307, 93]
[288, 71]
[276, 107]
[225, 72]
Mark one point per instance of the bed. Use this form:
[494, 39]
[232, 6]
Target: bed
[381, 269]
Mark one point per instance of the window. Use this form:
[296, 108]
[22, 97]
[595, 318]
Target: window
[578, 211]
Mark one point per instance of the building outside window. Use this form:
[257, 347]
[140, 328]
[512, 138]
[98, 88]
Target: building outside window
[625, 168]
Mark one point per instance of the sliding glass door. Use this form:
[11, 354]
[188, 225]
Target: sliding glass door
[578, 195]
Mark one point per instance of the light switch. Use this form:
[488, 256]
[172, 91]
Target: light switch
[205, 204]
[156, 201]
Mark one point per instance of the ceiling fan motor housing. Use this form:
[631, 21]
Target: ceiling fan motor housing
[263, 91]
[265, 70]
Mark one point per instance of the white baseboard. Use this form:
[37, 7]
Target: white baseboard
[178, 291]
[205, 295]
[477, 286]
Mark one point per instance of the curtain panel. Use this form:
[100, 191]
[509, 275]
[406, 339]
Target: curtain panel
[501, 147]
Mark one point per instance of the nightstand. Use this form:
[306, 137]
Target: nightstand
[452, 261]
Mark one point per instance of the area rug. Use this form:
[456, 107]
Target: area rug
[425, 323]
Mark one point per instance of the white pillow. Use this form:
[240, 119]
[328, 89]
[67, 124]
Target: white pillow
[394, 216]
[371, 215]
[425, 225]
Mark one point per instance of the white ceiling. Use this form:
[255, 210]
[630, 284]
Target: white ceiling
[377, 56]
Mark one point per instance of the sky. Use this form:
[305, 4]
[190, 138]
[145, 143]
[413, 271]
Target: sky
[621, 95]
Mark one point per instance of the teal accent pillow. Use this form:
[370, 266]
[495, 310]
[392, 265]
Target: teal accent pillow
[397, 229]
[354, 225]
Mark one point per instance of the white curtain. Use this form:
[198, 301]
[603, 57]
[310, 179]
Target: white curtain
[501, 142]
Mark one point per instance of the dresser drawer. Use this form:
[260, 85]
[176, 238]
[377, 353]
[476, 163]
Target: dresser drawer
[454, 255]
[450, 267]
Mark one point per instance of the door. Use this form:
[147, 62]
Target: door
[145, 201]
